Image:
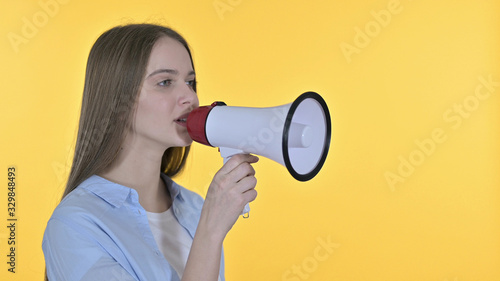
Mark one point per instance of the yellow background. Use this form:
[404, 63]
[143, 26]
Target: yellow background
[441, 222]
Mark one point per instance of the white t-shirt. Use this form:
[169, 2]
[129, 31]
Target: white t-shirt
[173, 240]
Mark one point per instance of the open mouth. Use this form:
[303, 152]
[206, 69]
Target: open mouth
[182, 120]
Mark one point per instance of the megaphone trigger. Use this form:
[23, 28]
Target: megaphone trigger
[226, 153]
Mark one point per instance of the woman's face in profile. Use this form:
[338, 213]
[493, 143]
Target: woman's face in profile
[166, 97]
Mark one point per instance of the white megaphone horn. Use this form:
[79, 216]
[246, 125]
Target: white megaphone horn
[296, 135]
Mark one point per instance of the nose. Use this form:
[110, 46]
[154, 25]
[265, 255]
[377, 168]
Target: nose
[188, 96]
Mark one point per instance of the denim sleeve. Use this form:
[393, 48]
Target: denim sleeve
[72, 254]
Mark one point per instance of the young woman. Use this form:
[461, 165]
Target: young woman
[122, 217]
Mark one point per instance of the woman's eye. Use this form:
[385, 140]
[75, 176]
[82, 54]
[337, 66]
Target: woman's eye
[191, 83]
[165, 82]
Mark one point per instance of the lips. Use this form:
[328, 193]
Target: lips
[182, 120]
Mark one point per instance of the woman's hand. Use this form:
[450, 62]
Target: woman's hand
[231, 189]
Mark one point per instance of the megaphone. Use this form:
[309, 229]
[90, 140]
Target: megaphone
[296, 135]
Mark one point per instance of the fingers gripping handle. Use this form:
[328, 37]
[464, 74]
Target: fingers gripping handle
[226, 154]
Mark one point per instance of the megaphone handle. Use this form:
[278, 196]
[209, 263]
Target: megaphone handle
[226, 154]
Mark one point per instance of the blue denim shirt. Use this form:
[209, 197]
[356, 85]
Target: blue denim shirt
[100, 232]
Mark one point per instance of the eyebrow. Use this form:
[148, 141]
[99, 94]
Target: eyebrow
[171, 71]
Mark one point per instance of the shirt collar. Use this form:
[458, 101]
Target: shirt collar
[111, 192]
[116, 194]
[173, 188]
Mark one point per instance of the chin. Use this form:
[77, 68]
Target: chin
[186, 142]
[183, 139]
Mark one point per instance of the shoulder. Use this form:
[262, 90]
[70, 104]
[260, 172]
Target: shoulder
[92, 203]
[93, 195]
[73, 221]
[87, 229]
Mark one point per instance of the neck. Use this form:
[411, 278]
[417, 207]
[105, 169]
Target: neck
[138, 167]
